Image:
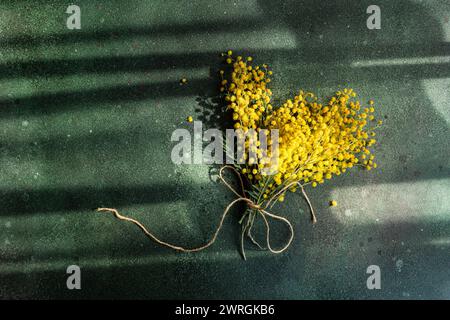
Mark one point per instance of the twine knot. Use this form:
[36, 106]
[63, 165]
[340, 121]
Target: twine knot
[253, 205]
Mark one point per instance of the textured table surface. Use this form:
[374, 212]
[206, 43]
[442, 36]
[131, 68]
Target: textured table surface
[86, 118]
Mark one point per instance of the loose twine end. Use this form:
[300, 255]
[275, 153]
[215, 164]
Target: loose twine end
[257, 209]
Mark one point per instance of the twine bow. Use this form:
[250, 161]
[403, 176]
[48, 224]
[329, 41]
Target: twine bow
[261, 210]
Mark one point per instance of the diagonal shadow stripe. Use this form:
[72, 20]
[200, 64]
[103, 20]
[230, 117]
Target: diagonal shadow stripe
[28, 201]
[67, 101]
[332, 55]
[124, 33]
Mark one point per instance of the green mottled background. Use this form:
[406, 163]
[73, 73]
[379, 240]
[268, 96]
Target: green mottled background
[86, 118]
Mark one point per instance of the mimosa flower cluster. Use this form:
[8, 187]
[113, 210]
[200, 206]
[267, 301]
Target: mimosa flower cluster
[318, 139]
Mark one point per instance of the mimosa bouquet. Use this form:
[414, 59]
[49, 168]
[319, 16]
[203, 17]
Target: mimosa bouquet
[314, 141]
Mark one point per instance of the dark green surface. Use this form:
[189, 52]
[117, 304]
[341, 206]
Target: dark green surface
[86, 118]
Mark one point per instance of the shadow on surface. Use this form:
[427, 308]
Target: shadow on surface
[318, 271]
[328, 260]
[67, 101]
[124, 33]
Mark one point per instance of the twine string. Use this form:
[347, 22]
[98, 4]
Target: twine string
[262, 211]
